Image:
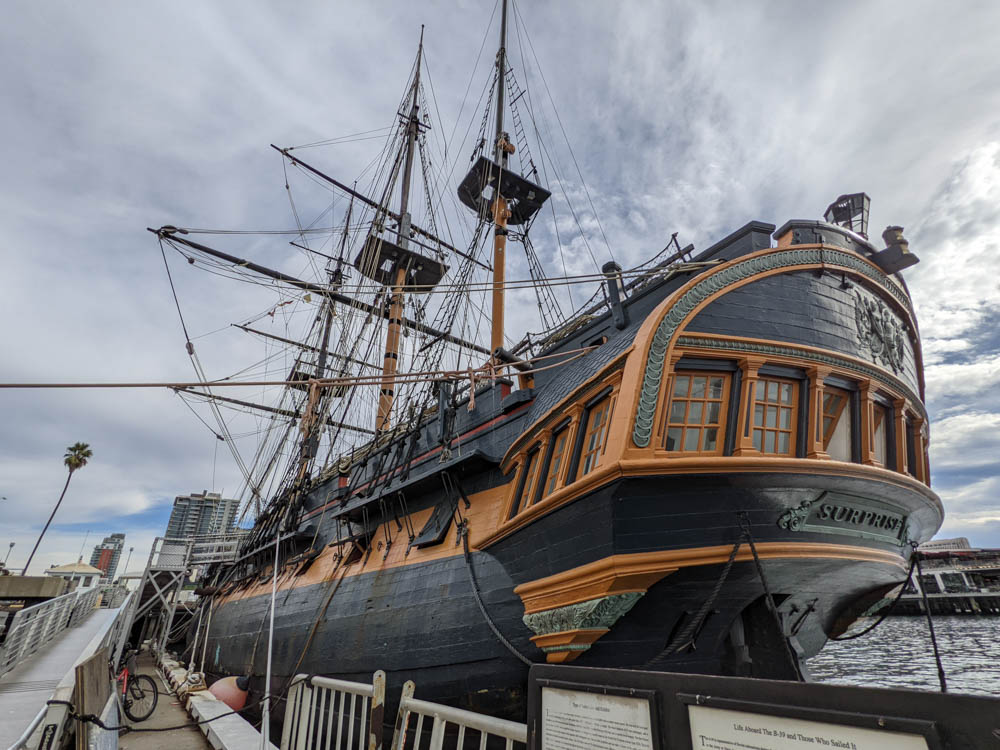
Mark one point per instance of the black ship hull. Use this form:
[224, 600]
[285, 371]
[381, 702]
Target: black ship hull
[421, 621]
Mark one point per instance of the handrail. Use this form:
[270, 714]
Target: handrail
[442, 715]
[33, 626]
[314, 716]
[58, 713]
[22, 742]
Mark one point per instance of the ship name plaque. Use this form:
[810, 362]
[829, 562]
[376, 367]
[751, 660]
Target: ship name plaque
[583, 720]
[723, 729]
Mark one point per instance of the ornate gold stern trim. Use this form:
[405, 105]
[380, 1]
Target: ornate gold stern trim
[571, 610]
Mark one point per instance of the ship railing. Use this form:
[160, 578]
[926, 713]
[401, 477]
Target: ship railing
[441, 735]
[334, 714]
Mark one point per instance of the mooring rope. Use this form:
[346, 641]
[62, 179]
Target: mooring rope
[930, 621]
[464, 531]
[887, 611]
[745, 525]
[685, 638]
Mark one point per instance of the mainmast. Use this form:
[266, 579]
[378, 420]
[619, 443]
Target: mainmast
[397, 297]
[499, 195]
[502, 150]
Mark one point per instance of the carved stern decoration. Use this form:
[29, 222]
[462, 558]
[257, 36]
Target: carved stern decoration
[879, 332]
[569, 611]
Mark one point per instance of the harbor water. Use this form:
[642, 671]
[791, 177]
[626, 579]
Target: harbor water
[898, 654]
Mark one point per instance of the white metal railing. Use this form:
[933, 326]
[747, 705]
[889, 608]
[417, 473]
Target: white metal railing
[33, 626]
[169, 554]
[84, 605]
[441, 716]
[334, 714]
[56, 715]
[215, 548]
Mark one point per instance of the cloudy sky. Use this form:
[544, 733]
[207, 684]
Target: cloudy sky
[690, 118]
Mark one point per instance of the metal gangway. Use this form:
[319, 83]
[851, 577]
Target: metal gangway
[42, 648]
[171, 563]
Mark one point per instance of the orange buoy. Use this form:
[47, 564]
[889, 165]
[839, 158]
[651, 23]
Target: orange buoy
[231, 690]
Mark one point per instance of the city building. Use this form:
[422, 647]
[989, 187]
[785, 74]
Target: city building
[201, 514]
[85, 576]
[945, 545]
[107, 555]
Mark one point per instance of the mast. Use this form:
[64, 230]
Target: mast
[397, 297]
[503, 148]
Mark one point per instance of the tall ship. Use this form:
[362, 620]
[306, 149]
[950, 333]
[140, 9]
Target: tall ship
[449, 500]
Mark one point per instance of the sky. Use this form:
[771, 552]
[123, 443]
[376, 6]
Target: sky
[680, 117]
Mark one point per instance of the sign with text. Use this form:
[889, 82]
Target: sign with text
[587, 708]
[578, 720]
[722, 729]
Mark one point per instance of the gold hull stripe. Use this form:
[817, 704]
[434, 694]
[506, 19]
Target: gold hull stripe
[620, 574]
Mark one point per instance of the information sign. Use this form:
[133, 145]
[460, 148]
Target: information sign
[579, 720]
[723, 729]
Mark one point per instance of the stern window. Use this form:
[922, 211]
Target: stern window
[881, 440]
[837, 423]
[559, 442]
[774, 417]
[697, 418]
[593, 438]
[523, 498]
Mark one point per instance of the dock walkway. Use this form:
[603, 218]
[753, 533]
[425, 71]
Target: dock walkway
[169, 713]
[25, 688]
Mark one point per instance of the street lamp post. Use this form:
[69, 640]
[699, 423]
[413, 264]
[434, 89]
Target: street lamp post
[125, 572]
[8, 553]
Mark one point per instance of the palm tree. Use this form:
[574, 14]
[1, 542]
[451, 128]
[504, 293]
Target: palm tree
[75, 458]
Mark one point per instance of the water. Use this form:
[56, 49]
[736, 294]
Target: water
[898, 654]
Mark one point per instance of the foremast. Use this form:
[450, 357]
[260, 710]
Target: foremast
[397, 296]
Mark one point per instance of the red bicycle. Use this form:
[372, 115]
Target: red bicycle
[138, 691]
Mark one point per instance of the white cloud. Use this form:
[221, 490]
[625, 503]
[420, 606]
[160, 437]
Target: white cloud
[966, 441]
[683, 118]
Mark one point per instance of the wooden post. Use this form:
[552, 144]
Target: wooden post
[899, 420]
[919, 454]
[814, 445]
[748, 395]
[867, 425]
[391, 358]
[500, 215]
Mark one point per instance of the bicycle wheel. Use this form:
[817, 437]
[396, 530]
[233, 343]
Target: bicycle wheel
[140, 697]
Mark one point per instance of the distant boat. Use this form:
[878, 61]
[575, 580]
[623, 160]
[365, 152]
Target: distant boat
[452, 507]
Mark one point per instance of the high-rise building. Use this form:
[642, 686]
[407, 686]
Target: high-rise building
[197, 515]
[107, 554]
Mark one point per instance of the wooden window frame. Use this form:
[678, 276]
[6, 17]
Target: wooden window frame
[585, 432]
[573, 472]
[854, 405]
[559, 431]
[525, 466]
[793, 442]
[725, 409]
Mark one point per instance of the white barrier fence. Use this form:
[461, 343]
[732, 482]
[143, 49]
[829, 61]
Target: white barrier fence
[33, 627]
[56, 716]
[318, 714]
[327, 714]
[466, 725]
